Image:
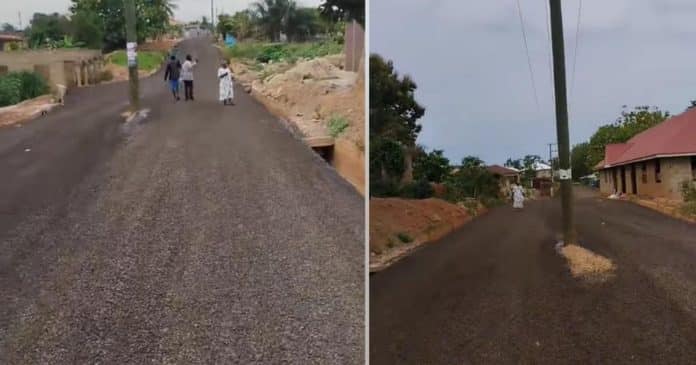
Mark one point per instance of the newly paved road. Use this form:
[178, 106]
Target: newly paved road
[206, 235]
[496, 292]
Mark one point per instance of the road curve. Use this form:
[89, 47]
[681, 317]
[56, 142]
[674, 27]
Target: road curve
[206, 234]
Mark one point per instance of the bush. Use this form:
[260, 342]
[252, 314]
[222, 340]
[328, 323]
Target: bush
[337, 124]
[419, 189]
[267, 52]
[404, 238]
[688, 190]
[384, 189]
[689, 208]
[16, 87]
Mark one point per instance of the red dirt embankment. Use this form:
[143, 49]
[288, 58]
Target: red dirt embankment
[399, 226]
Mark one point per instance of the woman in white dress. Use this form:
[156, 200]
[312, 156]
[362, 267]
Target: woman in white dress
[517, 197]
[226, 84]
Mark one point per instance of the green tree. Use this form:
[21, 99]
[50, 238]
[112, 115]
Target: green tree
[517, 164]
[152, 20]
[47, 28]
[692, 104]
[272, 16]
[580, 160]
[472, 180]
[8, 28]
[432, 167]
[337, 10]
[88, 29]
[394, 113]
[624, 128]
[302, 24]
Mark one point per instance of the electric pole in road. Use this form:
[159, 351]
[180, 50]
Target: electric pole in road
[559, 78]
[131, 51]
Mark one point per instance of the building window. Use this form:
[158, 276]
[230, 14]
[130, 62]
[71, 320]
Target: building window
[644, 173]
[693, 167]
[658, 178]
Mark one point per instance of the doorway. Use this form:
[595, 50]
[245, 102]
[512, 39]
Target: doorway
[623, 179]
[634, 185]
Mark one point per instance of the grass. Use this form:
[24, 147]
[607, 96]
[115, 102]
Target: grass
[403, 237]
[290, 52]
[688, 209]
[337, 124]
[147, 60]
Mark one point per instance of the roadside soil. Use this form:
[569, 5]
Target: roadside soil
[308, 94]
[400, 226]
[28, 109]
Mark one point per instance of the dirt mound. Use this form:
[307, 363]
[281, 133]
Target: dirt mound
[309, 94]
[399, 225]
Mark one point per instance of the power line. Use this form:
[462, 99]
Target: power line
[529, 60]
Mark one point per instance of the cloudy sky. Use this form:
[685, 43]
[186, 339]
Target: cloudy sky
[469, 61]
[188, 9]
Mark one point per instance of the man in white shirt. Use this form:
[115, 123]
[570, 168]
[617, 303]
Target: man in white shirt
[187, 77]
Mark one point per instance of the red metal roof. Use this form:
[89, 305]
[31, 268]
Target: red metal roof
[675, 136]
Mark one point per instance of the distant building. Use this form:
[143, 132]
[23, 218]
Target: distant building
[506, 177]
[7, 41]
[653, 163]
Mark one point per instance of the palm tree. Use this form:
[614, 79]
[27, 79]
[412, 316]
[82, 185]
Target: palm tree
[273, 15]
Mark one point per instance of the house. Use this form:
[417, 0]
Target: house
[10, 41]
[655, 162]
[542, 170]
[506, 177]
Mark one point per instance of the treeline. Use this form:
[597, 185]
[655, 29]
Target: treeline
[268, 19]
[400, 167]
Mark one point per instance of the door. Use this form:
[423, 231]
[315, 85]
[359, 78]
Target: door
[634, 185]
[615, 188]
[623, 179]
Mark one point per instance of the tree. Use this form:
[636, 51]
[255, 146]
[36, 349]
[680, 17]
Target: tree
[579, 160]
[517, 164]
[338, 10]
[624, 128]
[432, 167]
[152, 21]
[472, 180]
[87, 28]
[692, 104]
[394, 113]
[272, 16]
[8, 28]
[46, 28]
[302, 24]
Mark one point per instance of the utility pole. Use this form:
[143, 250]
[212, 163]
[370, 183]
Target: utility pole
[559, 78]
[19, 15]
[131, 49]
[212, 19]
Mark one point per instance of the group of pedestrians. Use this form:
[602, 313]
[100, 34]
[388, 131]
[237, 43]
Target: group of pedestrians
[176, 72]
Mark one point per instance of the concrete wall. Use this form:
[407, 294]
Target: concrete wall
[672, 172]
[354, 46]
[67, 67]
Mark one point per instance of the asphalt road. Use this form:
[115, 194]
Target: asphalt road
[206, 234]
[496, 292]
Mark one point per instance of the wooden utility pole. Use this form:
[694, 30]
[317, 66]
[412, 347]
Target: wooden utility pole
[559, 78]
[131, 51]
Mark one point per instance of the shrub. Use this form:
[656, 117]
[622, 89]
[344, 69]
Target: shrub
[689, 208]
[384, 189]
[16, 87]
[403, 237]
[419, 189]
[267, 52]
[337, 124]
[688, 190]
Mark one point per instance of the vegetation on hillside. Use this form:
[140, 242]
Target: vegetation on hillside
[147, 60]
[274, 52]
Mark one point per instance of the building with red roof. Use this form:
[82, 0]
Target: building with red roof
[655, 162]
[506, 177]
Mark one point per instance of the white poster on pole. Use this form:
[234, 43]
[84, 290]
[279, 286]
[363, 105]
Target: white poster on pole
[131, 53]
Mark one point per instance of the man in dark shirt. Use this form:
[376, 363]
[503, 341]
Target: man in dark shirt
[172, 74]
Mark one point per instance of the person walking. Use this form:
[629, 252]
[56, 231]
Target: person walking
[226, 84]
[172, 74]
[517, 197]
[187, 76]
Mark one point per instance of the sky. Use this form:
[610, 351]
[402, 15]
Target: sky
[469, 62]
[188, 9]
